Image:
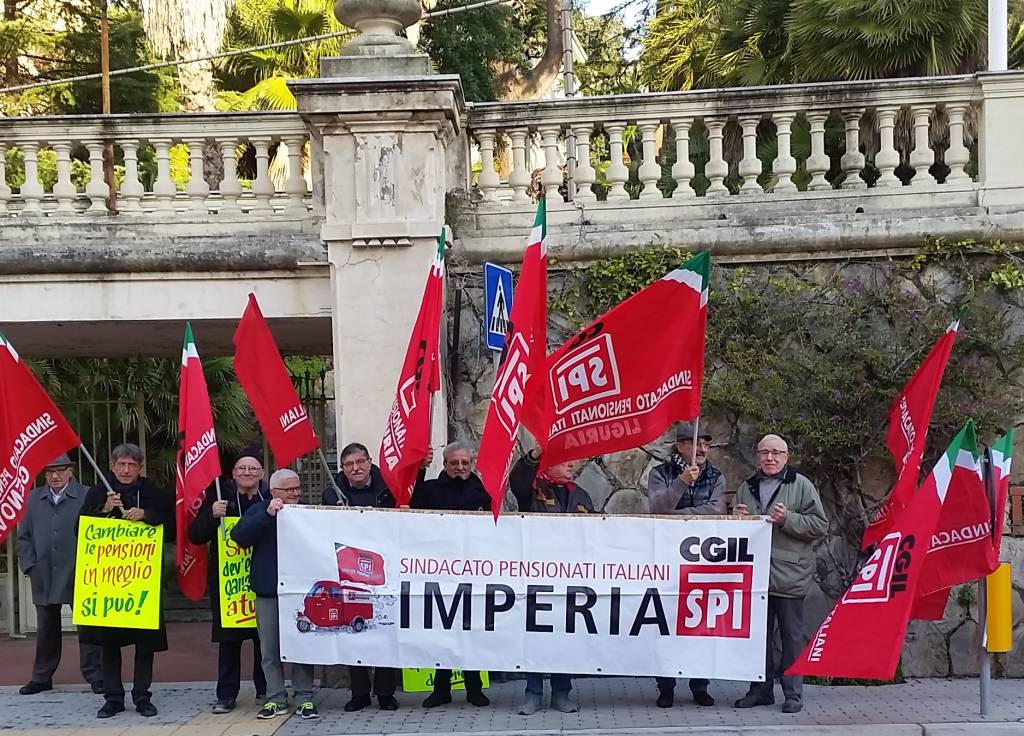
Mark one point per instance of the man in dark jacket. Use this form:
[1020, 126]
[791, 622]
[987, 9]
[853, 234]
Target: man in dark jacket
[246, 489]
[46, 547]
[551, 490]
[688, 484]
[456, 488]
[362, 484]
[257, 530]
[134, 498]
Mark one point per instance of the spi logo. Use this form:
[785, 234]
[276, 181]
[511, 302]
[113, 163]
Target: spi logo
[714, 600]
[884, 574]
[584, 375]
[510, 383]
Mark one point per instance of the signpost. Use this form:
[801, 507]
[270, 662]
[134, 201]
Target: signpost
[497, 306]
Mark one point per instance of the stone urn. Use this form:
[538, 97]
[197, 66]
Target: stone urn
[379, 23]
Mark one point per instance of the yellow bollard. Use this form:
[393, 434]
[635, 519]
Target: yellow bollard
[1000, 609]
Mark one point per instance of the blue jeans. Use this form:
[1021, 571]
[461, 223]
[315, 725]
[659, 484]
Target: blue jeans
[560, 684]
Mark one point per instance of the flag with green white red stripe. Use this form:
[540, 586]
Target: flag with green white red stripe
[629, 374]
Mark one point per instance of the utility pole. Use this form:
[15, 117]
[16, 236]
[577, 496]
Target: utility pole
[997, 36]
[108, 147]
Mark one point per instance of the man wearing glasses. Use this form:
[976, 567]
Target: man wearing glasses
[245, 490]
[361, 484]
[688, 484]
[792, 504]
[258, 529]
[46, 553]
[456, 488]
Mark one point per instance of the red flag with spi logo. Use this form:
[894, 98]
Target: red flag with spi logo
[273, 398]
[863, 634]
[32, 433]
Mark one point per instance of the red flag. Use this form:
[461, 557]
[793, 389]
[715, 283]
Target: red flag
[272, 396]
[909, 417]
[1000, 456]
[32, 433]
[407, 435]
[630, 373]
[198, 466]
[863, 634]
[518, 381]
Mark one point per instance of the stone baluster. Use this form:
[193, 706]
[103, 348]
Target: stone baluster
[32, 190]
[96, 190]
[163, 188]
[618, 173]
[551, 176]
[295, 184]
[519, 176]
[852, 161]
[784, 165]
[585, 174]
[64, 190]
[818, 163]
[5, 191]
[922, 157]
[957, 154]
[650, 170]
[230, 188]
[717, 168]
[488, 182]
[262, 186]
[130, 197]
[683, 169]
[750, 165]
[887, 158]
[197, 189]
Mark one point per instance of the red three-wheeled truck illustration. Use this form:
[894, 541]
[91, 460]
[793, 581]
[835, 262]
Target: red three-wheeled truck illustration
[348, 601]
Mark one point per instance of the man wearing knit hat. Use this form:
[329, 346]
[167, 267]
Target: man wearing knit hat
[46, 553]
[688, 485]
[246, 489]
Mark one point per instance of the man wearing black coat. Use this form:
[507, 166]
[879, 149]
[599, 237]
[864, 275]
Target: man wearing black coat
[246, 489]
[361, 484]
[457, 488]
[134, 498]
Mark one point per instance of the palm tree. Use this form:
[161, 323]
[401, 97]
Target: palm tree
[260, 78]
[186, 29]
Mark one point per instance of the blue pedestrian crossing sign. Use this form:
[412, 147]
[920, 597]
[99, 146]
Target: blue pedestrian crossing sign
[497, 304]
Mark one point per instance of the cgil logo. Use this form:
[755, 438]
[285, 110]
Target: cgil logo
[885, 573]
[511, 383]
[714, 598]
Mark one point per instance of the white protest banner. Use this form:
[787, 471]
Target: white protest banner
[582, 594]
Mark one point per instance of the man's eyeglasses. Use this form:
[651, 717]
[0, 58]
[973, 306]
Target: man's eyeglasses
[773, 453]
[360, 463]
[249, 469]
[459, 463]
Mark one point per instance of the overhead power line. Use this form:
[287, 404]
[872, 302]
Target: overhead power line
[227, 54]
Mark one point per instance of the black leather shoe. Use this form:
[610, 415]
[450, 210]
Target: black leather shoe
[35, 687]
[437, 698]
[665, 699]
[110, 708]
[478, 699]
[703, 697]
[145, 709]
[792, 706]
[357, 703]
[387, 702]
[752, 700]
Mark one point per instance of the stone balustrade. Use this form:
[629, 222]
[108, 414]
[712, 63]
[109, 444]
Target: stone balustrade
[221, 165]
[720, 143]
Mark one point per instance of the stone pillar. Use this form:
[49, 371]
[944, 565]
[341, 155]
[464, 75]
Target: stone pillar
[1000, 155]
[382, 123]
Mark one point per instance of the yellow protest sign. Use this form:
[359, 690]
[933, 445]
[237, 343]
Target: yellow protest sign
[117, 574]
[421, 679]
[237, 602]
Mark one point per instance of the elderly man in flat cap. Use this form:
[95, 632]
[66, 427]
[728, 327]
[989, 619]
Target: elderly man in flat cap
[688, 484]
[46, 547]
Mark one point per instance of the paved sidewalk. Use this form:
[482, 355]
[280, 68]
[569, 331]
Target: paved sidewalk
[610, 706]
